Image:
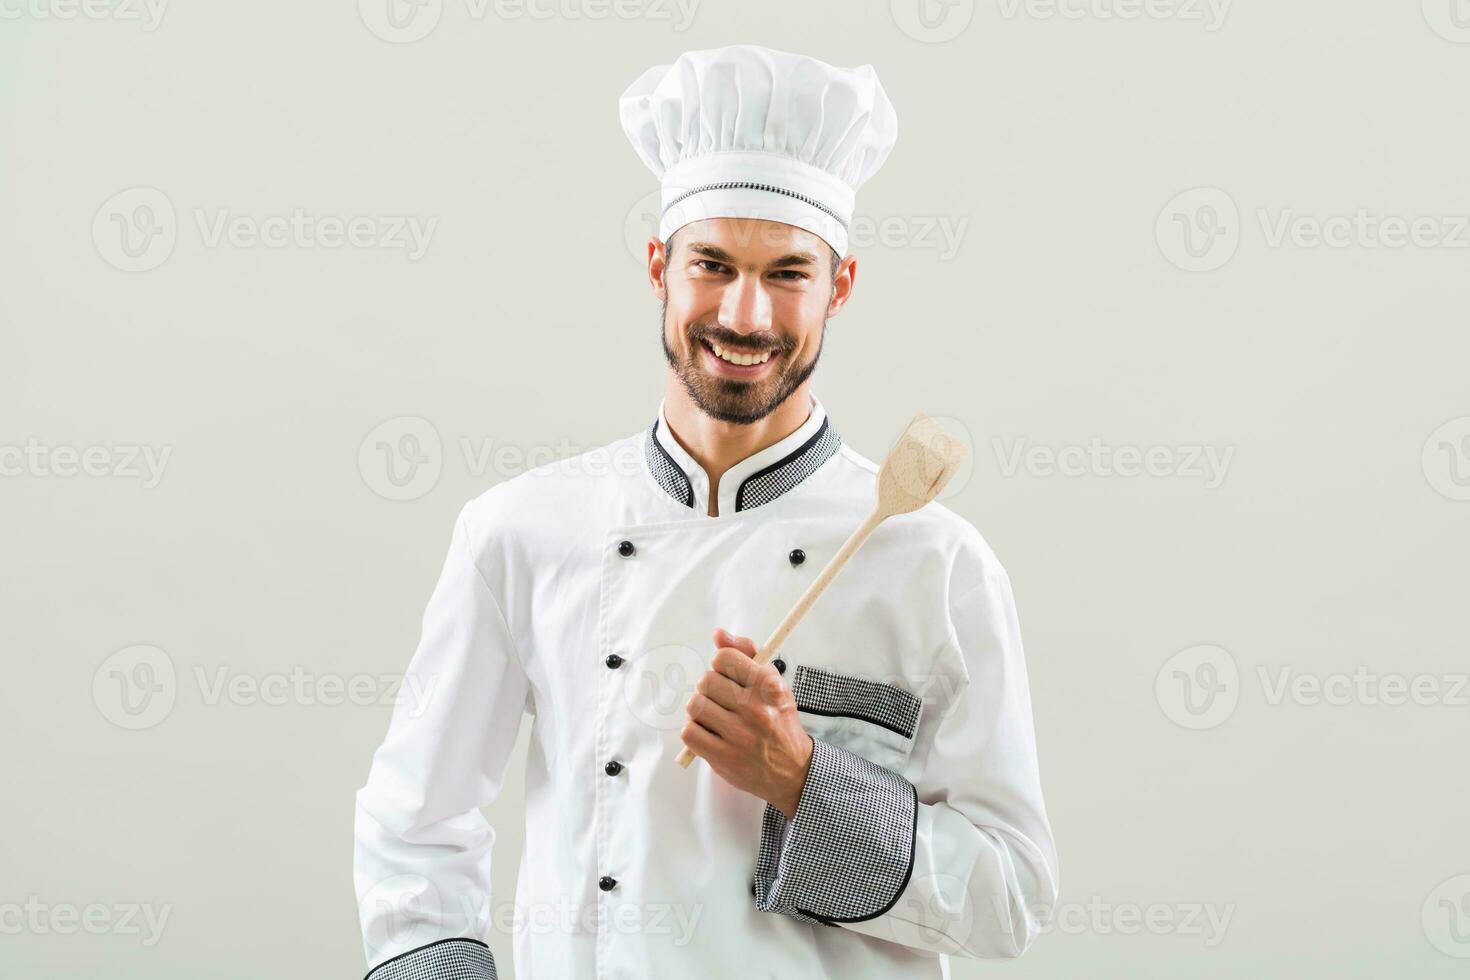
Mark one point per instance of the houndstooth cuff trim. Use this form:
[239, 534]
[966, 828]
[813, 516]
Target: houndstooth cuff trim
[850, 849]
[447, 959]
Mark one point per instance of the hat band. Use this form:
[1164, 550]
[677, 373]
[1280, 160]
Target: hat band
[756, 185]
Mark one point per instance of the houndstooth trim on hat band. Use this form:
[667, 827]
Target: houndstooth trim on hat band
[447, 959]
[723, 185]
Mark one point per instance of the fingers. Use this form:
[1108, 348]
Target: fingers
[722, 690]
[706, 712]
[737, 666]
[724, 638]
[701, 740]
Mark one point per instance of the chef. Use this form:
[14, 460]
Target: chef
[866, 805]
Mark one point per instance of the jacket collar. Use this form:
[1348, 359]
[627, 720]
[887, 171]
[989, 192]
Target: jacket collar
[757, 479]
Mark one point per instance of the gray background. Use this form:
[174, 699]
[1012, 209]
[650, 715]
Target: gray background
[1071, 150]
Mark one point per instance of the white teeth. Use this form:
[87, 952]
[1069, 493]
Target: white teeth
[746, 359]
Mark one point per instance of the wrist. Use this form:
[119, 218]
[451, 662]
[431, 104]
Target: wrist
[787, 806]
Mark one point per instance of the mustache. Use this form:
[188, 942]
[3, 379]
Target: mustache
[742, 342]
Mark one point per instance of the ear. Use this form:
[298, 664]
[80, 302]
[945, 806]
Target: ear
[657, 265]
[842, 285]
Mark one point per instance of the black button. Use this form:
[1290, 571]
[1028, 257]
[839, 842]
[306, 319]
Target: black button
[797, 556]
[780, 665]
[613, 768]
[752, 888]
[614, 661]
[606, 883]
[626, 549]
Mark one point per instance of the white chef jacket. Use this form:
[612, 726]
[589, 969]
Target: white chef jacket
[585, 592]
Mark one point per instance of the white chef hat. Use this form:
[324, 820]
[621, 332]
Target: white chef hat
[748, 132]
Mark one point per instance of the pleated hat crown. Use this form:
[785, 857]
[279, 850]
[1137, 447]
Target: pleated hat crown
[746, 131]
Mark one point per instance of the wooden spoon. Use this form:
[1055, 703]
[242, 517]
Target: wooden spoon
[918, 466]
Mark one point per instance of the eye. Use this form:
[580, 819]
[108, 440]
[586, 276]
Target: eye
[792, 272]
[704, 262]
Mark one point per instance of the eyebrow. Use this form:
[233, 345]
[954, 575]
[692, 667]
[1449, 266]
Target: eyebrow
[718, 254]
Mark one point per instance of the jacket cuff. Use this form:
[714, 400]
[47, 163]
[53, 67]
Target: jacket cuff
[848, 853]
[447, 959]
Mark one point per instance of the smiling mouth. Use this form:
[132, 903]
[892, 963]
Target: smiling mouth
[738, 359]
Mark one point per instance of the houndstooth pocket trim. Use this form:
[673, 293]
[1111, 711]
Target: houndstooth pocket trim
[447, 959]
[827, 692]
[850, 850]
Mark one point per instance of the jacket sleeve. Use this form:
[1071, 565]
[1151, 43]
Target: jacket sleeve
[962, 860]
[421, 859]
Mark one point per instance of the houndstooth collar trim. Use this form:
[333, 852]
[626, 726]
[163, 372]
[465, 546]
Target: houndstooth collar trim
[758, 479]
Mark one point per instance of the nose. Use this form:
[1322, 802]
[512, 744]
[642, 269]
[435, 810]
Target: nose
[746, 307]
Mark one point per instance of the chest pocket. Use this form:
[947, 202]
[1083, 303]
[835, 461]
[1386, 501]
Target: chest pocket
[871, 718]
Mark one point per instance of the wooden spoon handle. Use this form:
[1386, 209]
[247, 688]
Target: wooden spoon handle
[767, 651]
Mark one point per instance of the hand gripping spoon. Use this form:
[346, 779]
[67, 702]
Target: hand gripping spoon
[918, 466]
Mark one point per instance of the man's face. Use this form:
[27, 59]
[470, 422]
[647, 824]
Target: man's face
[751, 290]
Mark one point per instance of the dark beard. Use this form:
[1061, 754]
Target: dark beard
[732, 400]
